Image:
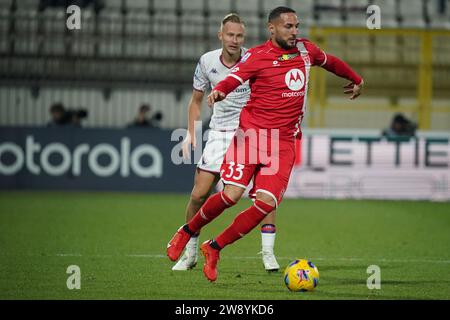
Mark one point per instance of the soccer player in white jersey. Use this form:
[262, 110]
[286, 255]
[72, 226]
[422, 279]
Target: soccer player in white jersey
[213, 67]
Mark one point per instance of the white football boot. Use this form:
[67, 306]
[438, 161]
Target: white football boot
[269, 261]
[189, 259]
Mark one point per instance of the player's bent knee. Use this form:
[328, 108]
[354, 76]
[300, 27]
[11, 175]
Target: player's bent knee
[199, 198]
[268, 199]
[263, 207]
[233, 192]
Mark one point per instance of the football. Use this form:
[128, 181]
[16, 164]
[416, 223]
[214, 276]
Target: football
[301, 275]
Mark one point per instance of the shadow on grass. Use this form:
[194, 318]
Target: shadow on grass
[375, 295]
[362, 267]
[362, 281]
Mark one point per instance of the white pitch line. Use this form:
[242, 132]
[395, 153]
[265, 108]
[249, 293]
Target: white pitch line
[146, 256]
[162, 256]
[157, 256]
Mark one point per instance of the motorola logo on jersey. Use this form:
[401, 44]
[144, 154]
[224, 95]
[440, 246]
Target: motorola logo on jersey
[295, 79]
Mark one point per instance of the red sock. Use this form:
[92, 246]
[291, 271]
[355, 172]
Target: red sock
[211, 209]
[244, 223]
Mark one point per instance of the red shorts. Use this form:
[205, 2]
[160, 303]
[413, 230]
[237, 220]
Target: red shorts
[266, 159]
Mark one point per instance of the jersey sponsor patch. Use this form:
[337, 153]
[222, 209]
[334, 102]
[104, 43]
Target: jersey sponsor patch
[245, 57]
[289, 56]
[306, 59]
[295, 79]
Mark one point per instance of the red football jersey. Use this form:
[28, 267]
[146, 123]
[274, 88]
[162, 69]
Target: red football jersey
[279, 83]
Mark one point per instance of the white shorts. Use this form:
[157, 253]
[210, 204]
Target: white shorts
[215, 149]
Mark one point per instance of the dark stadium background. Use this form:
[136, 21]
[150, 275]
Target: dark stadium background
[105, 195]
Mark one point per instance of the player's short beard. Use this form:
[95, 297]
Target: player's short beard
[283, 44]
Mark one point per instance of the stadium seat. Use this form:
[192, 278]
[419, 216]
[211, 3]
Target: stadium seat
[23, 45]
[438, 17]
[213, 25]
[389, 15]
[165, 23]
[110, 22]
[329, 12]
[26, 23]
[256, 30]
[53, 22]
[192, 6]
[359, 49]
[337, 45]
[192, 19]
[165, 6]
[110, 31]
[192, 25]
[87, 22]
[82, 45]
[268, 5]
[5, 3]
[109, 47]
[112, 5]
[386, 49]
[411, 49]
[83, 40]
[214, 21]
[441, 49]
[137, 5]
[222, 7]
[137, 23]
[165, 48]
[356, 13]
[136, 47]
[412, 13]
[248, 7]
[4, 27]
[305, 12]
[192, 49]
[26, 5]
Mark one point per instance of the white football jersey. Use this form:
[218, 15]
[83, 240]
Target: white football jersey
[209, 72]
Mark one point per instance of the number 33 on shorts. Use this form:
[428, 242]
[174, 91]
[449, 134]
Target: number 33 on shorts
[234, 171]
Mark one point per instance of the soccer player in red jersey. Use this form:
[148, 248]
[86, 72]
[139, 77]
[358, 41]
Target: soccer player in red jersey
[213, 67]
[264, 146]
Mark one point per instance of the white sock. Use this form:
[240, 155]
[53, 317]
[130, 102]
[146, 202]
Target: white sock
[192, 246]
[268, 241]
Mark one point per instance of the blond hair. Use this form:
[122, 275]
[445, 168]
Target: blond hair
[231, 17]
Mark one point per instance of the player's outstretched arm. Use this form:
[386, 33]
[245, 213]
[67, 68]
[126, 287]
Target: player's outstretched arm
[222, 89]
[340, 68]
[354, 89]
[193, 115]
[215, 96]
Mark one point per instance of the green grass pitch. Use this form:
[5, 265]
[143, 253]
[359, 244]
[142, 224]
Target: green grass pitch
[118, 240]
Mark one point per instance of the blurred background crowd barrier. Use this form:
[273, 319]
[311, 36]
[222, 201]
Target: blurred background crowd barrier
[144, 51]
[131, 63]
